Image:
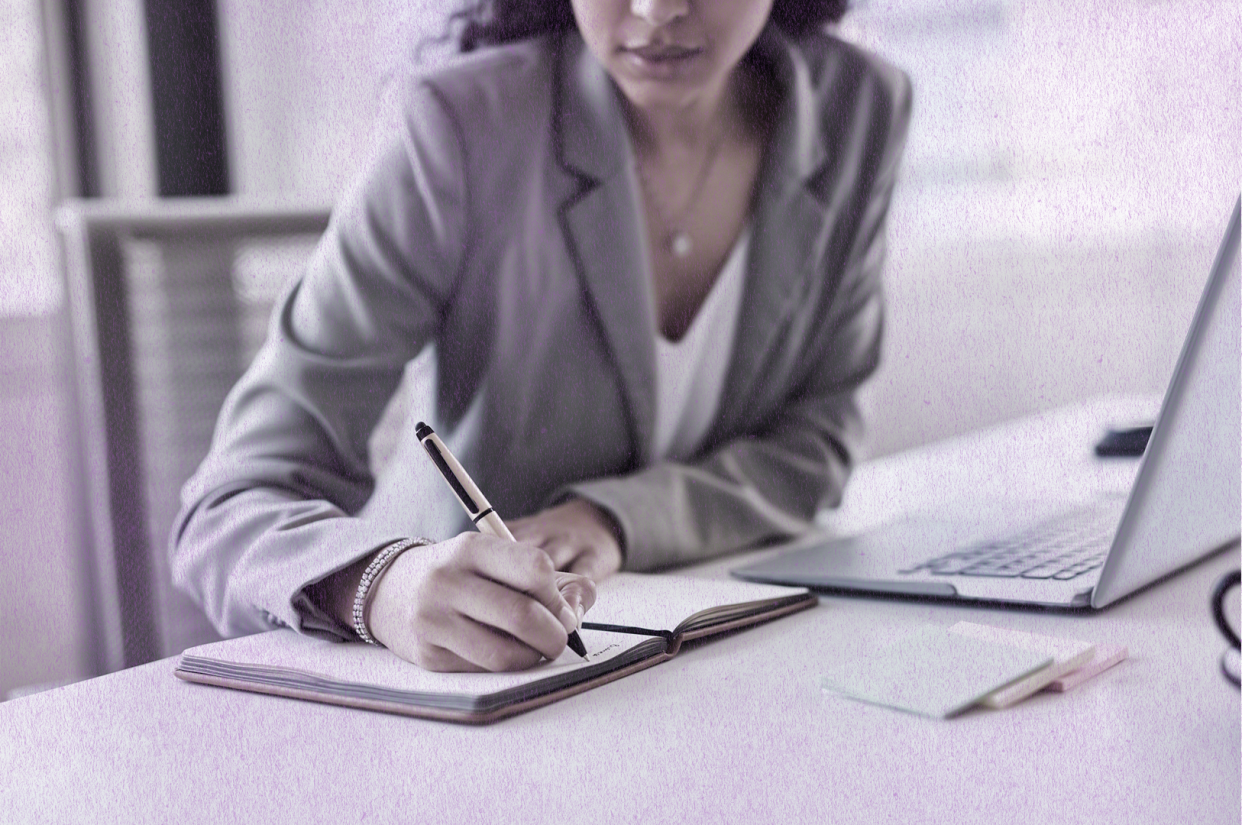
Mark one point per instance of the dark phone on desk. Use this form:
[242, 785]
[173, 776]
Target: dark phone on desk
[1124, 443]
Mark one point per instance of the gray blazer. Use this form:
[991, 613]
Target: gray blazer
[500, 226]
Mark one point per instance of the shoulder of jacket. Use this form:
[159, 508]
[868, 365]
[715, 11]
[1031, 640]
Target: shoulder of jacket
[497, 82]
[832, 60]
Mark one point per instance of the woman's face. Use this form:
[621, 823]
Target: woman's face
[669, 53]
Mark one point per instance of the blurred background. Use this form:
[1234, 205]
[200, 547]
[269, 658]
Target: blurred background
[165, 167]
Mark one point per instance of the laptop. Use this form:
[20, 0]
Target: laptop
[1184, 503]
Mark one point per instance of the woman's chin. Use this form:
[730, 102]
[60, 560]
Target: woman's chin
[661, 96]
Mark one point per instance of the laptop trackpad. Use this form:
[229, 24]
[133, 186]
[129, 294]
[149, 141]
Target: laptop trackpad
[865, 562]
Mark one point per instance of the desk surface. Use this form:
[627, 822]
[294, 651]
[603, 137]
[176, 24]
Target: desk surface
[732, 730]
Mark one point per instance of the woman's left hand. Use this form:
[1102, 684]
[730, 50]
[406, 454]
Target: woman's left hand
[577, 535]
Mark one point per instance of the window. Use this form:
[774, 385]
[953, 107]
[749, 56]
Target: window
[31, 284]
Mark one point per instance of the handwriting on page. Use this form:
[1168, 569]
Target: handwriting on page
[596, 654]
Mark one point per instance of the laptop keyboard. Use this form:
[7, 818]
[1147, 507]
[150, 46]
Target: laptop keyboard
[1066, 546]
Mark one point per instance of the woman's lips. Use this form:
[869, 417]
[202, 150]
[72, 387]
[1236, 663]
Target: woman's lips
[657, 53]
[660, 61]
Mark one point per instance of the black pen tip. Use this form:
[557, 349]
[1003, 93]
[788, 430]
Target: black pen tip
[421, 430]
[576, 645]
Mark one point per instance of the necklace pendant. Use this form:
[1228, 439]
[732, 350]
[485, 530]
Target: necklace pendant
[680, 245]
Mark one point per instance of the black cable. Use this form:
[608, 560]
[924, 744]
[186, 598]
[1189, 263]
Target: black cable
[1218, 613]
[1218, 605]
[1231, 671]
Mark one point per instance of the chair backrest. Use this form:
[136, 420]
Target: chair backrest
[168, 302]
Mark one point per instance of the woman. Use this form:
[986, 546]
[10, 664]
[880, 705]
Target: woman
[644, 238]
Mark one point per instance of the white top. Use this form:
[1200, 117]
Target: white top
[690, 373]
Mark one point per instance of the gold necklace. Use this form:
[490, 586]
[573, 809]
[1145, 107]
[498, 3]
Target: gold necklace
[676, 238]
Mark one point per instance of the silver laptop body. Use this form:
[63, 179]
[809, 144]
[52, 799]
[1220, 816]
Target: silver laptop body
[1184, 504]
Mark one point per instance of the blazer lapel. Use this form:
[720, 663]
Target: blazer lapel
[603, 230]
[788, 234]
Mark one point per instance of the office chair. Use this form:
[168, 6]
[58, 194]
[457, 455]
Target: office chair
[168, 301]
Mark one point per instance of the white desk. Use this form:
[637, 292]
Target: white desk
[735, 730]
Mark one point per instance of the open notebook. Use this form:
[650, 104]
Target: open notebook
[638, 621]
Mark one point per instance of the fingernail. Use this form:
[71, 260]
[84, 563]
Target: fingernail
[567, 619]
[581, 613]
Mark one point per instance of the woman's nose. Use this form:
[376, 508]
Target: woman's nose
[659, 12]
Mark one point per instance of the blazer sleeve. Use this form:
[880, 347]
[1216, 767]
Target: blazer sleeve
[769, 484]
[272, 508]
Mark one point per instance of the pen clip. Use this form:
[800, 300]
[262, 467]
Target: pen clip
[437, 457]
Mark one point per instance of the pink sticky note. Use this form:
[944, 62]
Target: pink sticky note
[1105, 657]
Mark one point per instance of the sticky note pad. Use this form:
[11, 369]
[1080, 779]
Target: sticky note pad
[1067, 655]
[1105, 656]
[933, 672]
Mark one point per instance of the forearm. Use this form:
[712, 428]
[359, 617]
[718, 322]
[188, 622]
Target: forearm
[250, 558]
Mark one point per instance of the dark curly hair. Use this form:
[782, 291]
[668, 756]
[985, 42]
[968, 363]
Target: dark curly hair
[492, 22]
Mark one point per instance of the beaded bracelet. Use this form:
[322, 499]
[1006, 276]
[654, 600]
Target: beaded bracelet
[370, 576]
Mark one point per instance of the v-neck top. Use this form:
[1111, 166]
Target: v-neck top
[690, 372]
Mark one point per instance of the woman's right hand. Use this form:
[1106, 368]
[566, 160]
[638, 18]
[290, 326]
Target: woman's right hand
[477, 603]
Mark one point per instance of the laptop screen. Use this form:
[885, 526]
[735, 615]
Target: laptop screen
[1187, 497]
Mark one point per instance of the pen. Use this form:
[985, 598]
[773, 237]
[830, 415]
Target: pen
[472, 499]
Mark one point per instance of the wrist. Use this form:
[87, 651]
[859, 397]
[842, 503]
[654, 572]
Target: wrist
[367, 585]
[336, 593]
